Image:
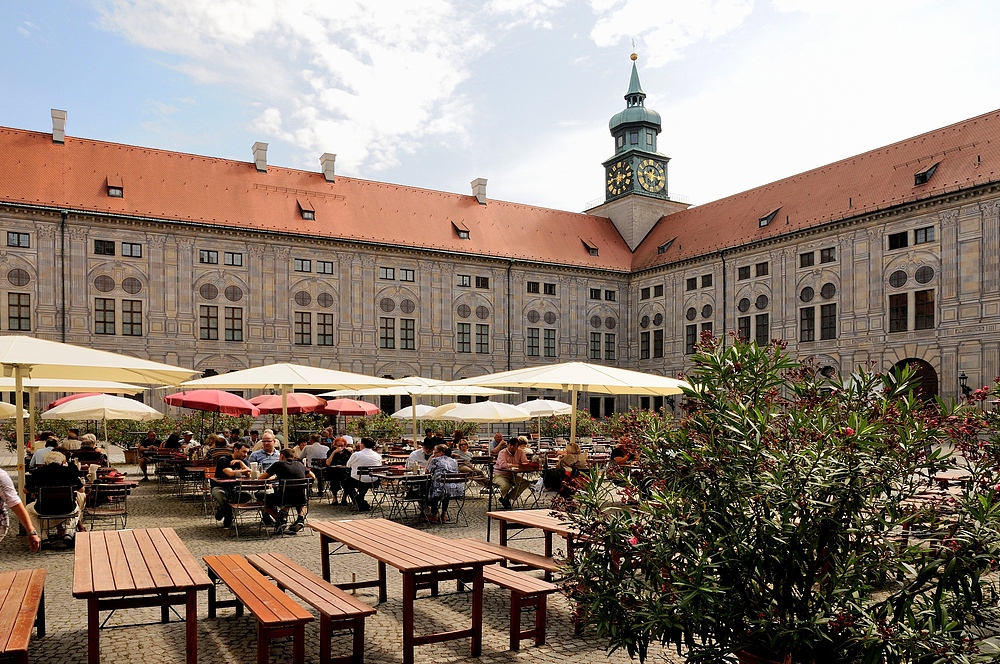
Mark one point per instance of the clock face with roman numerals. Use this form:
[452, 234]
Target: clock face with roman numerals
[652, 177]
[619, 178]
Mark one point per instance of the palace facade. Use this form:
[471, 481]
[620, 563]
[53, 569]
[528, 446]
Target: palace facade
[890, 256]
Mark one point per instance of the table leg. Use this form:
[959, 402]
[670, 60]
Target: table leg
[324, 548]
[383, 596]
[408, 592]
[191, 627]
[503, 532]
[548, 544]
[476, 648]
[40, 619]
[164, 609]
[93, 632]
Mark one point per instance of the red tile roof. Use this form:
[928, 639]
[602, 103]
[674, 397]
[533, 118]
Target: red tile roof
[171, 186]
[969, 156]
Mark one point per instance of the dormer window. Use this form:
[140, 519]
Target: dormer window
[766, 219]
[115, 187]
[662, 249]
[591, 247]
[462, 230]
[306, 209]
[922, 177]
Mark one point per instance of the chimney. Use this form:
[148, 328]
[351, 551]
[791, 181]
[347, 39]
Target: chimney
[260, 156]
[326, 162]
[479, 190]
[58, 126]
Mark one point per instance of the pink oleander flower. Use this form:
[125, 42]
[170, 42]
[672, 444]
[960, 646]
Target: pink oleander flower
[633, 540]
[849, 431]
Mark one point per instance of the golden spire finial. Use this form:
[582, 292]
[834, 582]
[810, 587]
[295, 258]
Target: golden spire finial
[634, 57]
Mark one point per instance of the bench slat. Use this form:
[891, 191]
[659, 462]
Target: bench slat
[21, 594]
[516, 555]
[264, 599]
[321, 595]
[516, 581]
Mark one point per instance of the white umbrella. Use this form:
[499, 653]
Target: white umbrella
[487, 411]
[416, 410]
[540, 408]
[576, 377]
[9, 410]
[288, 377]
[27, 357]
[103, 407]
[437, 413]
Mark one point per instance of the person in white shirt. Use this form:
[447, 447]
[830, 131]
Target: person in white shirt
[349, 439]
[419, 457]
[356, 487]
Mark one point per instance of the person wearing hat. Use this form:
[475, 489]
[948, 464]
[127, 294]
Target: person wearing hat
[188, 443]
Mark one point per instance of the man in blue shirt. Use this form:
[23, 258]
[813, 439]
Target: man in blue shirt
[267, 454]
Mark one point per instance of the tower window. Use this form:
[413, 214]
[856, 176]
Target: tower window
[649, 137]
[620, 140]
[633, 138]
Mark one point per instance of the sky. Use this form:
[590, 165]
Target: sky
[436, 93]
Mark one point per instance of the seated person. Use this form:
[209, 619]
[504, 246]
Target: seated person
[573, 458]
[217, 447]
[335, 474]
[267, 454]
[418, 459]
[56, 473]
[286, 468]
[38, 458]
[147, 447]
[72, 440]
[620, 456]
[89, 452]
[173, 442]
[189, 445]
[228, 466]
[511, 486]
[440, 493]
[464, 458]
[498, 444]
[356, 487]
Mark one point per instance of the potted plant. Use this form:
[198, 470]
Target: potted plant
[770, 524]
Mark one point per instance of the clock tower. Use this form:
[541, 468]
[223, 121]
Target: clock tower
[635, 177]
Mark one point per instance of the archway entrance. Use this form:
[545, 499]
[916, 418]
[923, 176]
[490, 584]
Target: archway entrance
[927, 385]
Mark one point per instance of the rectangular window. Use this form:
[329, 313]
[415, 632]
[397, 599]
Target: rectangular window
[644, 293]
[633, 138]
[464, 338]
[208, 323]
[302, 265]
[828, 255]
[807, 324]
[923, 310]
[132, 318]
[743, 327]
[18, 239]
[898, 312]
[534, 287]
[550, 343]
[828, 321]
[482, 338]
[691, 283]
[595, 345]
[104, 316]
[233, 258]
[609, 347]
[407, 333]
[407, 275]
[208, 257]
[387, 273]
[649, 137]
[760, 269]
[104, 247]
[550, 289]
[324, 267]
[898, 241]
[657, 343]
[132, 249]
[234, 323]
[644, 345]
[532, 347]
[807, 259]
[763, 330]
[610, 295]
[658, 291]
[743, 272]
[303, 328]
[595, 293]
[482, 282]
[690, 338]
[387, 333]
[923, 235]
[19, 311]
[324, 329]
[464, 281]
[706, 281]
[706, 327]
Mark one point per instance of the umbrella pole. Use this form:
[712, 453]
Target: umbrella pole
[32, 398]
[413, 410]
[284, 413]
[19, 428]
[572, 416]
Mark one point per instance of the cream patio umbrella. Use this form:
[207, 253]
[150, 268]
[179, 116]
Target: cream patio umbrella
[576, 377]
[487, 411]
[103, 407]
[28, 357]
[540, 408]
[288, 377]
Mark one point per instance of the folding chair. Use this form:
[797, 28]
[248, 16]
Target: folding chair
[107, 501]
[455, 502]
[292, 494]
[245, 504]
[52, 506]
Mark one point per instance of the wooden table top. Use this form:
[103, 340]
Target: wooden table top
[407, 549]
[540, 518]
[111, 563]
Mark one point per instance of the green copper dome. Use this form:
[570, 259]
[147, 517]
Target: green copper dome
[635, 112]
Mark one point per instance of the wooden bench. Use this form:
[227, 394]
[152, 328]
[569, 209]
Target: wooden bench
[337, 609]
[525, 559]
[525, 591]
[22, 606]
[277, 614]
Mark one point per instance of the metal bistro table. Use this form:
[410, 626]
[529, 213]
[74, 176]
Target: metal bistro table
[127, 569]
[422, 558]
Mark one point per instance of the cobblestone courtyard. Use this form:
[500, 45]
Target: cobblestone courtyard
[228, 638]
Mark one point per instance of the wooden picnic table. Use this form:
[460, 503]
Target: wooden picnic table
[421, 558]
[541, 519]
[137, 568]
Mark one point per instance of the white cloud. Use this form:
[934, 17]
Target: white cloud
[535, 13]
